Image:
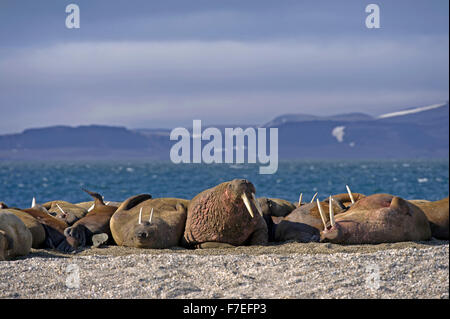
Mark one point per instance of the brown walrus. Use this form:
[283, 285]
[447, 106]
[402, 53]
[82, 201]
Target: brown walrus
[15, 238]
[54, 227]
[309, 213]
[375, 219]
[274, 209]
[437, 213]
[35, 227]
[92, 229]
[224, 216]
[66, 211]
[144, 222]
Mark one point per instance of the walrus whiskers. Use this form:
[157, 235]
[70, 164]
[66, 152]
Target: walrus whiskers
[258, 207]
[350, 194]
[314, 197]
[331, 212]
[140, 216]
[300, 199]
[321, 214]
[151, 216]
[247, 204]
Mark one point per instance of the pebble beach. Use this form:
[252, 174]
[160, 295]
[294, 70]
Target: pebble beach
[291, 270]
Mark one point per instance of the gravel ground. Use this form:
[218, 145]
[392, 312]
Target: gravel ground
[290, 270]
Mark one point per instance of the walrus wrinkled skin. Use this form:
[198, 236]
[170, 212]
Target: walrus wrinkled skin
[95, 222]
[437, 213]
[71, 213]
[379, 218]
[219, 215]
[37, 229]
[163, 231]
[15, 238]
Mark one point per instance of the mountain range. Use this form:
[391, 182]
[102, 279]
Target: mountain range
[419, 132]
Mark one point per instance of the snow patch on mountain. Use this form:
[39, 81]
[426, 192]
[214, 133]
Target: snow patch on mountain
[412, 111]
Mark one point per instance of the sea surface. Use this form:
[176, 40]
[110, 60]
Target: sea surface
[118, 180]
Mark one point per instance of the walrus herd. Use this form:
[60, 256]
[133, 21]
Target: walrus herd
[226, 215]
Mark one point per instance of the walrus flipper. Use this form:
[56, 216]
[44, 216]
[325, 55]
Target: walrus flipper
[98, 199]
[134, 201]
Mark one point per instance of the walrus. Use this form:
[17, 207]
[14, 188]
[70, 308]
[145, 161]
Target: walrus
[375, 219]
[143, 222]
[66, 211]
[36, 228]
[3, 205]
[226, 215]
[90, 204]
[92, 229]
[15, 238]
[274, 209]
[54, 228]
[309, 213]
[437, 213]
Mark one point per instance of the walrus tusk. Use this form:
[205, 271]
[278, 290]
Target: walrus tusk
[33, 202]
[314, 197]
[258, 207]
[151, 216]
[350, 194]
[247, 204]
[331, 212]
[62, 211]
[107, 203]
[91, 208]
[321, 214]
[300, 199]
[140, 216]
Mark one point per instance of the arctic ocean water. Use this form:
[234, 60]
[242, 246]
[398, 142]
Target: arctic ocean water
[118, 180]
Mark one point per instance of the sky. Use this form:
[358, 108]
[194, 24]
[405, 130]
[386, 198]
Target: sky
[162, 64]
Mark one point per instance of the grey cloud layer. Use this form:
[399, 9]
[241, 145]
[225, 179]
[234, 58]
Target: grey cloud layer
[138, 82]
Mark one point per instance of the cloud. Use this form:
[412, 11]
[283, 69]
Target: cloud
[168, 83]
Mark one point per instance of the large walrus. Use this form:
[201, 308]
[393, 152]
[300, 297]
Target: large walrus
[92, 229]
[437, 213]
[36, 228]
[15, 238]
[375, 219]
[143, 222]
[224, 216]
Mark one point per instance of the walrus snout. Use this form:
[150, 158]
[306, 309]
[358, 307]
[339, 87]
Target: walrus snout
[330, 234]
[142, 234]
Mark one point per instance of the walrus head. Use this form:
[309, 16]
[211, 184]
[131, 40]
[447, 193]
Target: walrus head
[375, 219]
[154, 231]
[3, 205]
[228, 213]
[241, 191]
